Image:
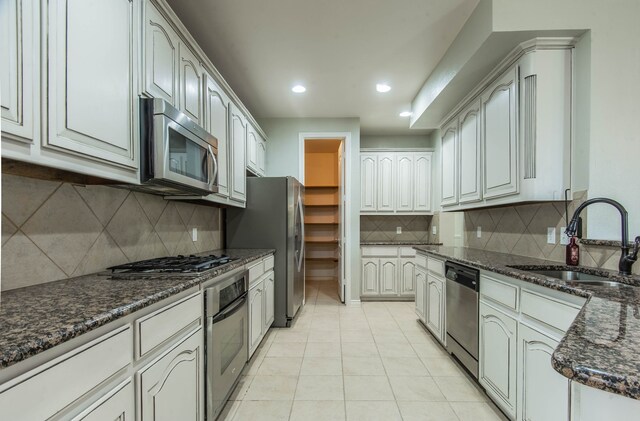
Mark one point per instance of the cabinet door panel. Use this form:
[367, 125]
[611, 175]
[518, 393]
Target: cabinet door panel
[389, 277]
[407, 276]
[421, 292]
[255, 315]
[92, 78]
[497, 365]
[470, 188]
[386, 182]
[405, 183]
[116, 405]
[262, 157]
[217, 123]
[499, 137]
[161, 56]
[368, 182]
[171, 388]
[449, 165]
[252, 148]
[544, 393]
[422, 183]
[238, 155]
[370, 277]
[435, 306]
[190, 84]
[268, 301]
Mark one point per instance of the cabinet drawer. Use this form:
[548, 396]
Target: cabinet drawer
[421, 260]
[40, 394]
[159, 326]
[379, 251]
[499, 292]
[548, 311]
[436, 266]
[268, 263]
[407, 251]
[255, 272]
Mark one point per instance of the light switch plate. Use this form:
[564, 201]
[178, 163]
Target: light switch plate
[479, 232]
[551, 235]
[194, 234]
[398, 230]
[564, 238]
[434, 230]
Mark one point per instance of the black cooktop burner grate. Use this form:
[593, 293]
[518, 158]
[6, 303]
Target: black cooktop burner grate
[174, 264]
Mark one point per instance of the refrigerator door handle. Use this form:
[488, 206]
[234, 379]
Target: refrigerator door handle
[300, 253]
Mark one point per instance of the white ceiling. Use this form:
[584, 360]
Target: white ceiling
[338, 49]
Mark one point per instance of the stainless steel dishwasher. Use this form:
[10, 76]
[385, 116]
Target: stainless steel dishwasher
[463, 285]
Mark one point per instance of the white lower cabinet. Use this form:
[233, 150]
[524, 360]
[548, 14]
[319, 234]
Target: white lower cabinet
[119, 405]
[497, 352]
[421, 293]
[269, 297]
[171, 387]
[261, 305]
[435, 306]
[544, 392]
[387, 271]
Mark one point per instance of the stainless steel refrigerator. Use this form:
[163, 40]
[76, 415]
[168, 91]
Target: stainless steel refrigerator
[274, 218]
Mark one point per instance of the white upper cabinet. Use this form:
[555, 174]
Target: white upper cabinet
[216, 122]
[499, 135]
[238, 181]
[161, 56]
[368, 182]
[470, 188]
[396, 182]
[19, 69]
[92, 79]
[449, 164]
[190, 86]
[262, 156]
[252, 148]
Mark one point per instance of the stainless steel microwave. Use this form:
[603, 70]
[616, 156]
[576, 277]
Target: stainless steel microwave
[178, 157]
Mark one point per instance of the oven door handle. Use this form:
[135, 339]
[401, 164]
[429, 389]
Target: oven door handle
[230, 311]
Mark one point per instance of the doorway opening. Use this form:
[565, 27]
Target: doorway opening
[324, 220]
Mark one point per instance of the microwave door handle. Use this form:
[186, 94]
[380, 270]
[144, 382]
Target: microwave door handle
[214, 166]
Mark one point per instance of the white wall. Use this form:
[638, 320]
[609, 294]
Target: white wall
[403, 141]
[283, 159]
[611, 119]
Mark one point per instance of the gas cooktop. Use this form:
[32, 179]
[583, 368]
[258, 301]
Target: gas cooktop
[173, 265]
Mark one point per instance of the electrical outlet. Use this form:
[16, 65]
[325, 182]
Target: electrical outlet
[434, 230]
[564, 238]
[194, 234]
[398, 230]
[551, 235]
[479, 232]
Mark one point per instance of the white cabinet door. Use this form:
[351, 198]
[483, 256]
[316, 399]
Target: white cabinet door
[434, 312]
[268, 301]
[368, 182]
[117, 404]
[389, 276]
[407, 276]
[497, 349]
[216, 122]
[421, 293]
[470, 189]
[499, 137]
[93, 79]
[190, 74]
[18, 55]
[238, 182]
[256, 316]
[262, 157]
[386, 182]
[172, 387]
[449, 164]
[370, 277]
[161, 56]
[422, 182]
[252, 148]
[543, 392]
[404, 182]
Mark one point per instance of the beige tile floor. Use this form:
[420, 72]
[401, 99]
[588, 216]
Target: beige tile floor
[369, 362]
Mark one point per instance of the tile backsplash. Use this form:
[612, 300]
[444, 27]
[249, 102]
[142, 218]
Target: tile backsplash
[522, 230]
[383, 228]
[53, 230]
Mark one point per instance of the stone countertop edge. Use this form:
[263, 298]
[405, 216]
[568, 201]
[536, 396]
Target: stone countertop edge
[398, 243]
[586, 354]
[39, 317]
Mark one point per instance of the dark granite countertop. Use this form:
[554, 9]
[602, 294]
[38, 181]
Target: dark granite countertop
[39, 317]
[601, 349]
[398, 243]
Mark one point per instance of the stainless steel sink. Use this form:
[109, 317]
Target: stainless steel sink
[576, 277]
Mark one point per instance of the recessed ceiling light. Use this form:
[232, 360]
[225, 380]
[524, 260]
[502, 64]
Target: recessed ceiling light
[406, 114]
[383, 87]
[299, 89]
